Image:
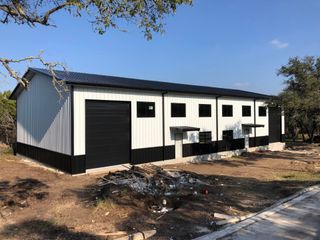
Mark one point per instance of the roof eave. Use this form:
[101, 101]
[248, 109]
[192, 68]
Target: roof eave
[165, 90]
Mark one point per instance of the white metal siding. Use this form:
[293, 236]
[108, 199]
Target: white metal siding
[262, 120]
[235, 122]
[43, 120]
[283, 126]
[192, 118]
[146, 132]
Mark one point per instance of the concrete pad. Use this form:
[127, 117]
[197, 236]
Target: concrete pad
[296, 218]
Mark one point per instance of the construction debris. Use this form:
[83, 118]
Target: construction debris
[139, 236]
[162, 188]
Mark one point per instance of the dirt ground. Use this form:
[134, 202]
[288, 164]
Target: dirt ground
[36, 203]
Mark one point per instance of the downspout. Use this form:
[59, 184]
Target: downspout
[163, 128]
[255, 122]
[217, 122]
[72, 120]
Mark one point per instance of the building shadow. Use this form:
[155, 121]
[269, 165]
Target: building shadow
[40, 229]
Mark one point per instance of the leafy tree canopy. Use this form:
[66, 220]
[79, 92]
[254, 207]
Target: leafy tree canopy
[300, 98]
[6, 105]
[147, 14]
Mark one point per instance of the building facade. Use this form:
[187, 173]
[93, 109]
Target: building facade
[103, 121]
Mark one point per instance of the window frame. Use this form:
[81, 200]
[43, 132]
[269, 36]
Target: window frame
[178, 114]
[145, 113]
[207, 138]
[244, 113]
[264, 113]
[231, 135]
[203, 112]
[223, 110]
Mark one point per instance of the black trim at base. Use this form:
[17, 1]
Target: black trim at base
[153, 154]
[259, 141]
[63, 162]
[193, 149]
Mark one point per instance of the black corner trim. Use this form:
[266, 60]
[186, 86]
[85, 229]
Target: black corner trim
[63, 162]
[78, 164]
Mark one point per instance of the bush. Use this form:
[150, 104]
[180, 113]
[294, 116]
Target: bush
[7, 118]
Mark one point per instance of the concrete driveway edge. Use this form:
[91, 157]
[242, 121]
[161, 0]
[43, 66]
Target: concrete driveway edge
[282, 204]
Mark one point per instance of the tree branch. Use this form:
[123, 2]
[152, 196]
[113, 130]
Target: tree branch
[50, 66]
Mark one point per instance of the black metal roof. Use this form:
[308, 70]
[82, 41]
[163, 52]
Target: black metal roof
[78, 78]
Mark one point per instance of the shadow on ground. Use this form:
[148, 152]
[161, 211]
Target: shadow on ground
[193, 214]
[17, 193]
[39, 230]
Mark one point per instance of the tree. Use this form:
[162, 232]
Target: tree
[7, 118]
[148, 15]
[300, 98]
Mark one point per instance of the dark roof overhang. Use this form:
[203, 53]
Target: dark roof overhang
[19, 88]
[181, 129]
[252, 125]
[86, 79]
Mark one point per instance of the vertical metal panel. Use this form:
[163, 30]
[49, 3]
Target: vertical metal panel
[262, 120]
[108, 133]
[283, 127]
[235, 122]
[146, 132]
[192, 116]
[43, 120]
[275, 124]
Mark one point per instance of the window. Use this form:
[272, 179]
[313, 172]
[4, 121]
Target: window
[145, 109]
[262, 111]
[227, 110]
[205, 137]
[227, 135]
[246, 111]
[204, 110]
[178, 110]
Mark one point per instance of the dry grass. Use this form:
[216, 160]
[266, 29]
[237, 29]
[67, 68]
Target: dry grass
[299, 176]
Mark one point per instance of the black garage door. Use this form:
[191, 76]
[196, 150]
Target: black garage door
[108, 138]
[274, 124]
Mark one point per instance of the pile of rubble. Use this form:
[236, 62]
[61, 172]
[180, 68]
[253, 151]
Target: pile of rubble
[165, 187]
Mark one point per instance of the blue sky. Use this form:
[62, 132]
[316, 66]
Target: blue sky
[223, 43]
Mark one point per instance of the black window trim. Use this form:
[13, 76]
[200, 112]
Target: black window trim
[205, 137]
[146, 113]
[207, 114]
[264, 111]
[223, 113]
[177, 114]
[243, 113]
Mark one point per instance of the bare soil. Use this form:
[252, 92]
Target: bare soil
[36, 203]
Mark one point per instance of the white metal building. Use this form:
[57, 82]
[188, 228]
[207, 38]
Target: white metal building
[104, 120]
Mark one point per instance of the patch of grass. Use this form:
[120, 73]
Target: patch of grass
[105, 205]
[4, 149]
[299, 176]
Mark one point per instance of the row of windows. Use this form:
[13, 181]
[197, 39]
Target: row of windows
[227, 111]
[205, 137]
[147, 109]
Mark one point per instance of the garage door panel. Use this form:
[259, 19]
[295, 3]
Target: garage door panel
[108, 133]
[274, 124]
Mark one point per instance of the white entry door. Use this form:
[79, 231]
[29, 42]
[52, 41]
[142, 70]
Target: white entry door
[178, 144]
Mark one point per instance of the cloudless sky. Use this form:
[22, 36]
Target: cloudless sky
[222, 43]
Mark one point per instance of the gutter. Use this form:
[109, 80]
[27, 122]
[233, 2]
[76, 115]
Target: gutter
[255, 121]
[217, 120]
[163, 127]
[72, 119]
